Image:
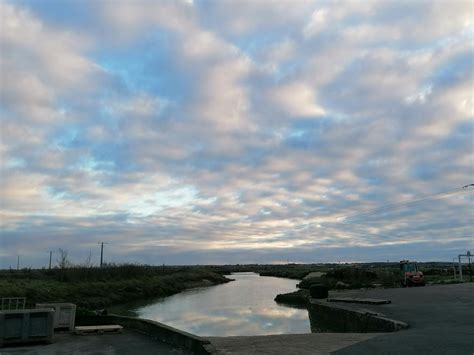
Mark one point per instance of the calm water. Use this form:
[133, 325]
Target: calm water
[242, 307]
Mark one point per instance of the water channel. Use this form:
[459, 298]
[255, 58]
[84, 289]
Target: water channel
[242, 307]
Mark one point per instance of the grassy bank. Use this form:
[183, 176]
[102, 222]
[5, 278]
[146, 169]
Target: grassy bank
[357, 276]
[297, 298]
[96, 288]
[361, 275]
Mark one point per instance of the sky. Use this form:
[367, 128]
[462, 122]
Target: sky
[212, 132]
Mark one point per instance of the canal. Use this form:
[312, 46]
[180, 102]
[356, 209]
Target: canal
[242, 307]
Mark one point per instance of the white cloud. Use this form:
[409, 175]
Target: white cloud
[296, 99]
[282, 124]
[132, 18]
[243, 17]
[318, 22]
[41, 65]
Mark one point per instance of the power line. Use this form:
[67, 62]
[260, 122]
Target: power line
[395, 206]
[364, 234]
[344, 220]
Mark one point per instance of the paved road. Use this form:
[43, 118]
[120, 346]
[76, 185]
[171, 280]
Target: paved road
[127, 343]
[441, 320]
[288, 344]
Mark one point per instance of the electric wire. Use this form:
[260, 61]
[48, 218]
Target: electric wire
[396, 206]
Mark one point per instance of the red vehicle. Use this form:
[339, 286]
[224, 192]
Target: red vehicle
[410, 274]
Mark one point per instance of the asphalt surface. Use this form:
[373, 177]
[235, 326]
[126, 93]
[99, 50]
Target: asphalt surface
[287, 344]
[441, 320]
[127, 343]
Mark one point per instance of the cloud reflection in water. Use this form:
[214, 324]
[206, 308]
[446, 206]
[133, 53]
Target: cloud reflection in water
[242, 307]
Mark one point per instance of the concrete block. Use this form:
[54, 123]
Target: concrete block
[64, 314]
[374, 301]
[26, 326]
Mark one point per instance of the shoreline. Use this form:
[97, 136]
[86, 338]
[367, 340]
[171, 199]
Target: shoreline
[116, 307]
[94, 293]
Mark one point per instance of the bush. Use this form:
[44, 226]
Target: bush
[343, 278]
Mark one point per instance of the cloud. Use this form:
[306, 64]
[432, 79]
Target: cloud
[131, 19]
[296, 100]
[179, 135]
[250, 16]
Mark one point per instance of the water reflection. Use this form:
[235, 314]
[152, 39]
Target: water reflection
[242, 307]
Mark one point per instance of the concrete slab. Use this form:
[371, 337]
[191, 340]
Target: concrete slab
[300, 344]
[441, 320]
[359, 300]
[127, 343]
[98, 329]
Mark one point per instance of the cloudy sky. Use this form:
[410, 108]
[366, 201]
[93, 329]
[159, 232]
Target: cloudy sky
[236, 131]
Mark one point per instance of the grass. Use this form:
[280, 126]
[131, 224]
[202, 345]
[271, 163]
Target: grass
[296, 298]
[96, 288]
[354, 276]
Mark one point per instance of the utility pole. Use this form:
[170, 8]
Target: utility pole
[50, 257]
[18, 262]
[101, 252]
[470, 268]
[467, 255]
[454, 268]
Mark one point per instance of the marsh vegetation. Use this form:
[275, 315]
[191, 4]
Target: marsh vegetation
[94, 288]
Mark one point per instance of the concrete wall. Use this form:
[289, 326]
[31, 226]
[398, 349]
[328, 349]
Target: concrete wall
[160, 331]
[328, 317]
[26, 326]
[64, 314]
